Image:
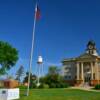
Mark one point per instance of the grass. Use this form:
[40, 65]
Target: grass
[60, 94]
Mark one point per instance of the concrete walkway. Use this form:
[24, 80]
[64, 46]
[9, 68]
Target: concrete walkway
[88, 88]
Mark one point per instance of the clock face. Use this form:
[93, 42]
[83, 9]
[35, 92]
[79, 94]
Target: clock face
[90, 47]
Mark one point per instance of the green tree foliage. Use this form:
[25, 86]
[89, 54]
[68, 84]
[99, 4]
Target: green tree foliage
[32, 80]
[53, 70]
[20, 73]
[53, 78]
[8, 57]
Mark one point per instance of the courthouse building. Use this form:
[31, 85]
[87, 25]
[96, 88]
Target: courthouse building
[84, 68]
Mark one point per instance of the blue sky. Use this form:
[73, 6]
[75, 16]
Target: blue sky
[63, 31]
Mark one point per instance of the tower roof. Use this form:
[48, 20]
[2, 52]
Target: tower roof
[91, 42]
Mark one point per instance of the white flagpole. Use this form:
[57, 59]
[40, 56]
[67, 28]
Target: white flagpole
[31, 55]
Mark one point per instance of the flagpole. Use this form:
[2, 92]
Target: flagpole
[31, 55]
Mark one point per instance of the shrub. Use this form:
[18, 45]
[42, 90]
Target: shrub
[65, 85]
[42, 85]
[22, 87]
[52, 85]
[97, 86]
[46, 86]
[62, 85]
[58, 85]
[34, 85]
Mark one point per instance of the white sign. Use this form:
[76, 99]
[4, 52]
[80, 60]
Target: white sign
[9, 94]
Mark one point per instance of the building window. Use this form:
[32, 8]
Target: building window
[67, 77]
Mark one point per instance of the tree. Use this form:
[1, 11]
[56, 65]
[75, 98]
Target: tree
[53, 75]
[8, 57]
[20, 73]
[53, 70]
[32, 79]
[53, 78]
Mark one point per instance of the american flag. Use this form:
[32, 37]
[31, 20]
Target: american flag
[37, 12]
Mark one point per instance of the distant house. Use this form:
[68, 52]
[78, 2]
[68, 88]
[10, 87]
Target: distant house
[84, 68]
[8, 83]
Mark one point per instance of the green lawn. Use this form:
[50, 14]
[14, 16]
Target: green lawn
[60, 94]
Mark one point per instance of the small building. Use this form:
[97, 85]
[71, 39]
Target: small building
[8, 83]
[84, 68]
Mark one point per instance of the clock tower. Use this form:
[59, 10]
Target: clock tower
[91, 48]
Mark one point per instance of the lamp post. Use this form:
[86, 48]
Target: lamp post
[40, 69]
